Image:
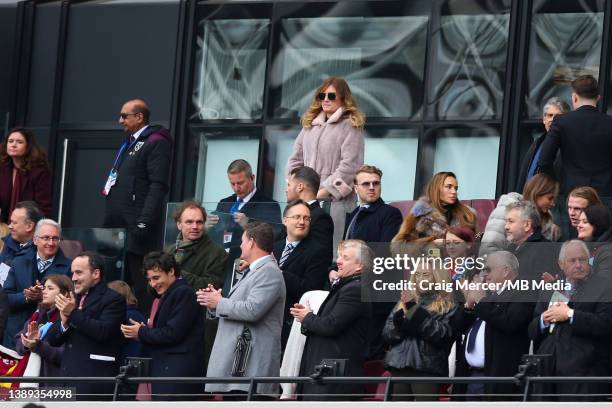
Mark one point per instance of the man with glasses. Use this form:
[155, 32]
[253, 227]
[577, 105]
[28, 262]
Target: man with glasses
[303, 259]
[136, 190]
[23, 285]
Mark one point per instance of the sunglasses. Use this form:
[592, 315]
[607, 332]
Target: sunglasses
[330, 95]
[370, 184]
[125, 115]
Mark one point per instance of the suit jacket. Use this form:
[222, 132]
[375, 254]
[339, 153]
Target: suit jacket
[304, 270]
[22, 275]
[505, 337]
[528, 159]
[35, 185]
[12, 248]
[92, 332]
[140, 193]
[377, 223]
[338, 330]
[580, 347]
[321, 228]
[536, 256]
[257, 302]
[583, 138]
[175, 340]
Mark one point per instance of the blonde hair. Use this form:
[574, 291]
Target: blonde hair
[4, 230]
[444, 300]
[124, 290]
[343, 92]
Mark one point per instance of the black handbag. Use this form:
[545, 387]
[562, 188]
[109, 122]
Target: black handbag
[241, 353]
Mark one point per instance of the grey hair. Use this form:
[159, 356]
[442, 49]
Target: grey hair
[47, 221]
[557, 103]
[563, 250]
[528, 212]
[507, 259]
[364, 252]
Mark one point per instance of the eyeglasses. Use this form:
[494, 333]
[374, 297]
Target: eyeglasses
[46, 238]
[330, 95]
[125, 115]
[370, 184]
[452, 244]
[298, 217]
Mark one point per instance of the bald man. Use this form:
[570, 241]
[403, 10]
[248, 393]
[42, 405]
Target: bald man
[136, 190]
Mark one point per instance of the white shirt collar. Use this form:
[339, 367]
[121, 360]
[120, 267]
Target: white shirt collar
[295, 243]
[39, 258]
[139, 132]
[259, 261]
[249, 196]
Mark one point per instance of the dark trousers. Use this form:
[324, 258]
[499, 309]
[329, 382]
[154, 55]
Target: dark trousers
[134, 275]
[414, 391]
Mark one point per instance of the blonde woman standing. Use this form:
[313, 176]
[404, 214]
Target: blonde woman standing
[332, 143]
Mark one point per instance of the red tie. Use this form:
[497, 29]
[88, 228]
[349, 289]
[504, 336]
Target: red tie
[154, 308]
[82, 302]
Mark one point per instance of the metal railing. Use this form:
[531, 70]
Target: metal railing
[521, 381]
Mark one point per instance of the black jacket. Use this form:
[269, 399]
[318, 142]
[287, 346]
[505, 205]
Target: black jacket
[528, 159]
[304, 270]
[175, 341]
[321, 228]
[377, 223]
[338, 331]
[4, 311]
[93, 331]
[505, 338]
[140, 193]
[583, 138]
[580, 347]
[422, 342]
[536, 256]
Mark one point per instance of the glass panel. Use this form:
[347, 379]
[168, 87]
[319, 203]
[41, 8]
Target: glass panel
[565, 42]
[230, 69]
[382, 58]
[279, 145]
[394, 151]
[477, 178]
[215, 150]
[468, 68]
[108, 242]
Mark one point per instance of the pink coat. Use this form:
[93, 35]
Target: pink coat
[334, 149]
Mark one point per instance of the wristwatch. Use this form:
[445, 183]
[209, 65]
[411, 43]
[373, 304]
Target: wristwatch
[570, 313]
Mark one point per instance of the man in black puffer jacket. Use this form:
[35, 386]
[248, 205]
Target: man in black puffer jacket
[136, 190]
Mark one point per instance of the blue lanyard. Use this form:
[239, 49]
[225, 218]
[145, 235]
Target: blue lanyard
[119, 155]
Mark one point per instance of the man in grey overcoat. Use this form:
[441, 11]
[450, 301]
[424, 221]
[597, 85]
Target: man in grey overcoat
[256, 303]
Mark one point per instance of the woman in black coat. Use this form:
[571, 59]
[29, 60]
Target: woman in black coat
[339, 330]
[175, 338]
[420, 332]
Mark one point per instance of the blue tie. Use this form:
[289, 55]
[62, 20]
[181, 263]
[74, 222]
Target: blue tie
[43, 265]
[473, 334]
[236, 206]
[286, 252]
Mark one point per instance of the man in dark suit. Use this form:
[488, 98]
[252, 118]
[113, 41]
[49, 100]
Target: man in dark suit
[303, 184]
[303, 260]
[373, 221]
[529, 166]
[575, 326]
[583, 138]
[22, 224]
[136, 190]
[495, 328]
[89, 328]
[226, 224]
[23, 285]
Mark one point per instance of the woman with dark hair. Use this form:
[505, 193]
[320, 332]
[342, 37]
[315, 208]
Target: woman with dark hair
[332, 143]
[24, 173]
[174, 336]
[32, 339]
[594, 222]
[460, 247]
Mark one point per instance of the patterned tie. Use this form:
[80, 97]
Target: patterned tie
[236, 206]
[351, 229]
[473, 334]
[286, 252]
[132, 139]
[82, 302]
[43, 265]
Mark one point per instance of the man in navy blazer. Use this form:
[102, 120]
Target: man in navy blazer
[30, 269]
[89, 327]
[583, 138]
[23, 221]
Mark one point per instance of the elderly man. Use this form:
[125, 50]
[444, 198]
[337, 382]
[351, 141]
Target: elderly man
[30, 268]
[553, 107]
[202, 261]
[523, 231]
[575, 324]
[89, 327]
[22, 224]
[340, 329]
[252, 314]
[495, 328]
[136, 190]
